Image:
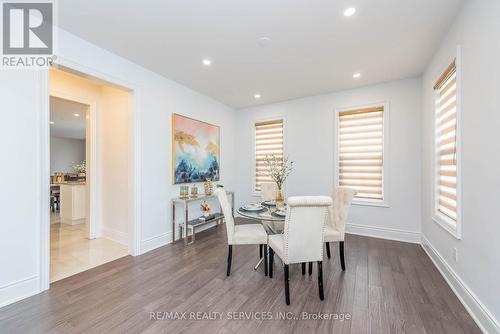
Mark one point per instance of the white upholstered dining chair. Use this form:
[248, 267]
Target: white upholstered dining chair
[337, 219]
[267, 193]
[245, 234]
[303, 237]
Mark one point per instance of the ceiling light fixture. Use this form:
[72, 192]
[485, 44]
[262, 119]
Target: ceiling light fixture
[51, 122]
[207, 62]
[349, 11]
[264, 41]
[76, 115]
[257, 96]
[356, 75]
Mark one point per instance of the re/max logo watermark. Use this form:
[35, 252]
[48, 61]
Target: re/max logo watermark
[27, 34]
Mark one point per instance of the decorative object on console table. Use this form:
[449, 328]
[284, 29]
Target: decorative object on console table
[209, 187]
[194, 191]
[279, 169]
[205, 208]
[195, 149]
[207, 217]
[184, 191]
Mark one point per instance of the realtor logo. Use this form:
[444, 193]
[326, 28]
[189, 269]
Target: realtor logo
[27, 33]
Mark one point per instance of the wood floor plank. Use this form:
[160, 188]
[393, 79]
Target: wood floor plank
[387, 287]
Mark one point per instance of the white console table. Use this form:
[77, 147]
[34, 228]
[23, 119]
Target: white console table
[184, 201]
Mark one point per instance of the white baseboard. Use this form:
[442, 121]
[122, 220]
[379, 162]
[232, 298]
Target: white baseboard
[383, 233]
[72, 221]
[155, 242]
[115, 235]
[481, 315]
[15, 291]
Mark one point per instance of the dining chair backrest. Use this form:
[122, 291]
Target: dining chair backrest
[338, 212]
[268, 191]
[304, 228]
[227, 212]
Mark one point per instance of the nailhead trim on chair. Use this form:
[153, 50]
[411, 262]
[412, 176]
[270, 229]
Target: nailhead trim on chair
[312, 203]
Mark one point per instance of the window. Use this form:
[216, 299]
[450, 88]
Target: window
[446, 202]
[268, 140]
[360, 152]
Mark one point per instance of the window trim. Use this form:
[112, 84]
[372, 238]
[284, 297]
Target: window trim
[281, 117]
[385, 202]
[448, 224]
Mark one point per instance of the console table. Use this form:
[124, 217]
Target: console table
[192, 224]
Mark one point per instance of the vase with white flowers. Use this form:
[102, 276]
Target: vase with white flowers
[279, 169]
[80, 169]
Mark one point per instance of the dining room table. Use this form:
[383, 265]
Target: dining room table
[266, 214]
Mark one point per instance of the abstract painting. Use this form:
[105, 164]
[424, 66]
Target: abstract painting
[195, 149]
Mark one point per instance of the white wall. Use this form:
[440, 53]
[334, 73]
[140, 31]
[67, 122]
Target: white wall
[115, 163]
[309, 137]
[64, 153]
[476, 275]
[20, 212]
[20, 184]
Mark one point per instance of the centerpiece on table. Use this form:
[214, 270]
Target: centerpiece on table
[279, 169]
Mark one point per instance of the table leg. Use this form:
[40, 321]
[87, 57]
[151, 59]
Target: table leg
[232, 203]
[186, 223]
[258, 263]
[174, 230]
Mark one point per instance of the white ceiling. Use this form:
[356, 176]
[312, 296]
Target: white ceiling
[66, 124]
[314, 49]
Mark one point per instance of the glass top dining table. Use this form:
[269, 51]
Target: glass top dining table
[272, 222]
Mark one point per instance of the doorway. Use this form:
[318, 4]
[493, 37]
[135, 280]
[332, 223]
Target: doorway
[91, 222]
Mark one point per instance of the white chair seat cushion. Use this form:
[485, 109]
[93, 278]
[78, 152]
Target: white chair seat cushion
[332, 235]
[276, 242]
[249, 234]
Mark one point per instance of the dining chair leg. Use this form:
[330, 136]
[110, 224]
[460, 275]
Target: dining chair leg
[303, 268]
[265, 260]
[310, 268]
[328, 249]
[341, 251]
[320, 280]
[260, 251]
[271, 262]
[287, 287]
[229, 258]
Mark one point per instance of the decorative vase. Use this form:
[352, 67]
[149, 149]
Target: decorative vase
[194, 191]
[209, 187]
[280, 199]
[184, 191]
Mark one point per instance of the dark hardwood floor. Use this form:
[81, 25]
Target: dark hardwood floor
[388, 287]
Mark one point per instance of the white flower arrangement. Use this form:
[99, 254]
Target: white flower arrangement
[279, 169]
[80, 168]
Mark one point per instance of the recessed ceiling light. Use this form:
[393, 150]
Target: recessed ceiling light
[51, 122]
[356, 75]
[207, 62]
[257, 96]
[264, 41]
[76, 115]
[349, 11]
